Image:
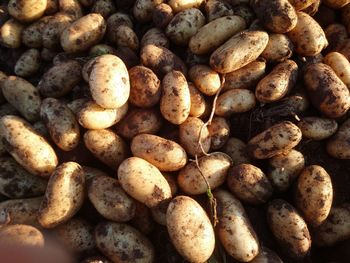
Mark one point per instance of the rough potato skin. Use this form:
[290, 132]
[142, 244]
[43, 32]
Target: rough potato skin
[278, 49]
[21, 235]
[11, 34]
[317, 128]
[339, 145]
[162, 15]
[28, 64]
[235, 101]
[27, 10]
[156, 37]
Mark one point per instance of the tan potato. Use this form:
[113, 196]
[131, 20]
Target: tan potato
[266, 256]
[236, 149]
[83, 33]
[145, 89]
[106, 146]
[216, 9]
[327, 92]
[289, 228]
[71, 7]
[336, 4]
[278, 82]
[92, 116]
[155, 36]
[125, 36]
[213, 167]
[317, 128]
[61, 123]
[64, 195]
[11, 34]
[32, 34]
[238, 51]
[109, 199]
[162, 15]
[143, 9]
[175, 102]
[181, 5]
[278, 49]
[190, 133]
[284, 168]
[277, 139]
[219, 132]
[104, 7]
[199, 106]
[340, 66]
[235, 101]
[234, 230]
[336, 36]
[339, 145]
[307, 36]
[122, 243]
[91, 172]
[205, 79]
[142, 220]
[28, 63]
[143, 181]
[335, 228]
[52, 30]
[301, 4]
[26, 10]
[21, 236]
[249, 184]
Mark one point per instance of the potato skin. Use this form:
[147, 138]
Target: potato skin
[104, 8]
[219, 131]
[235, 101]
[236, 149]
[317, 128]
[190, 229]
[234, 230]
[199, 105]
[143, 9]
[340, 65]
[266, 256]
[10, 34]
[216, 9]
[278, 49]
[26, 10]
[21, 235]
[339, 145]
[162, 15]
[181, 5]
[289, 228]
[28, 64]
[205, 79]
[155, 36]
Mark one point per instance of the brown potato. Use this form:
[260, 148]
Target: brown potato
[316, 128]
[125, 36]
[155, 36]
[180, 5]
[205, 79]
[26, 10]
[103, 7]
[51, 7]
[10, 34]
[216, 9]
[142, 220]
[340, 66]
[278, 49]
[235, 101]
[236, 149]
[199, 106]
[336, 36]
[339, 145]
[219, 132]
[21, 236]
[71, 7]
[301, 4]
[28, 64]
[162, 15]
[143, 9]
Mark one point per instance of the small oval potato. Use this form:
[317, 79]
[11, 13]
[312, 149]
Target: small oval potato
[15, 182]
[336, 4]
[26, 10]
[28, 64]
[189, 132]
[289, 228]
[143, 9]
[126, 36]
[106, 146]
[307, 36]
[340, 65]
[216, 9]
[53, 28]
[27, 147]
[21, 236]
[236, 149]
[181, 5]
[266, 256]
[213, 167]
[219, 132]
[166, 155]
[327, 92]
[205, 79]
[32, 34]
[175, 102]
[284, 168]
[235, 101]
[199, 106]
[278, 82]
[314, 194]
[249, 184]
[155, 36]
[64, 195]
[122, 243]
[316, 128]
[83, 33]
[10, 34]
[162, 15]
[110, 200]
[61, 123]
[234, 230]
[277, 139]
[190, 229]
[339, 145]
[143, 181]
[238, 51]
[278, 49]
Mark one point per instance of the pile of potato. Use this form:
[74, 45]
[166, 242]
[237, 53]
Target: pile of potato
[117, 122]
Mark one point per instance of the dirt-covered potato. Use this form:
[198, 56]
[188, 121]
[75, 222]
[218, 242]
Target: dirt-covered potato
[122, 243]
[239, 51]
[92, 116]
[340, 65]
[278, 49]
[307, 36]
[289, 228]
[190, 229]
[249, 184]
[235, 101]
[301, 4]
[27, 147]
[91, 172]
[101, 49]
[71, 7]
[213, 167]
[162, 15]
[327, 92]
[83, 33]
[234, 229]
[103, 7]
[199, 105]
[64, 195]
[175, 102]
[336, 4]
[181, 5]
[28, 64]
[277, 139]
[52, 30]
[21, 236]
[205, 79]
[155, 36]
[339, 145]
[266, 256]
[216, 9]
[27, 10]
[317, 128]
[336, 36]
[236, 149]
[106, 146]
[219, 132]
[110, 200]
[61, 123]
[143, 9]
[113, 23]
[125, 36]
[278, 82]
[11, 34]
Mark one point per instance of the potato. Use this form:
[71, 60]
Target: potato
[145, 87]
[289, 228]
[336, 4]
[52, 30]
[244, 11]
[26, 10]
[159, 213]
[7, 108]
[155, 36]
[234, 230]
[235, 101]
[340, 66]
[15, 182]
[142, 220]
[339, 145]
[205, 79]
[122, 243]
[106, 146]
[32, 34]
[28, 64]
[103, 7]
[278, 16]
[21, 236]
[238, 51]
[76, 105]
[175, 102]
[317, 128]
[213, 167]
[162, 15]
[83, 33]
[91, 172]
[336, 36]
[278, 82]
[125, 36]
[10, 34]
[191, 132]
[219, 132]
[335, 228]
[216, 9]
[41, 128]
[301, 4]
[199, 106]
[277, 139]
[314, 194]
[181, 5]
[47, 55]
[266, 256]
[128, 56]
[71, 7]
[327, 92]
[61, 123]
[101, 49]
[249, 184]
[113, 23]
[95, 259]
[307, 36]
[51, 7]
[161, 60]
[236, 149]
[92, 116]
[278, 49]
[64, 195]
